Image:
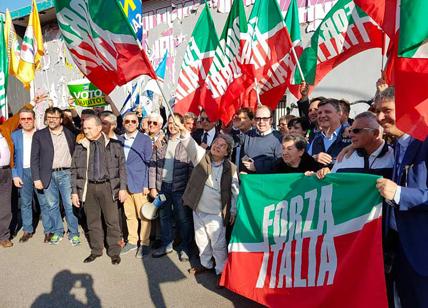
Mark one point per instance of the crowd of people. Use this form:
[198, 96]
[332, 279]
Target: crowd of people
[100, 169]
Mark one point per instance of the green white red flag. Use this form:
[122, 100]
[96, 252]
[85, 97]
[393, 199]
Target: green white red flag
[196, 63]
[301, 242]
[270, 52]
[407, 67]
[102, 42]
[345, 31]
[226, 80]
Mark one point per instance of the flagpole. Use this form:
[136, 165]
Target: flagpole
[257, 91]
[383, 52]
[164, 97]
[297, 63]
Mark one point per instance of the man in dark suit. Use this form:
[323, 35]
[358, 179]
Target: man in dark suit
[406, 219]
[205, 135]
[51, 152]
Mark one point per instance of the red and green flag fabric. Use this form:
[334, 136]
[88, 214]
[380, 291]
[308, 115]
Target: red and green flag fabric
[102, 43]
[196, 62]
[226, 79]
[345, 31]
[271, 58]
[303, 242]
[407, 67]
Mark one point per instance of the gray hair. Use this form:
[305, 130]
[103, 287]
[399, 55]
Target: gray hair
[95, 117]
[299, 142]
[111, 118]
[371, 117]
[229, 141]
[386, 95]
[156, 117]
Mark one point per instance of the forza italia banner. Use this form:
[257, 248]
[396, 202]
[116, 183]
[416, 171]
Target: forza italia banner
[303, 242]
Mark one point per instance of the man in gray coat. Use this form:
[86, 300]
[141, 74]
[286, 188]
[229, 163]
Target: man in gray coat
[98, 180]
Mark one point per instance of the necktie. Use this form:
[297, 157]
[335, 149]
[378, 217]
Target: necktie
[205, 138]
[96, 162]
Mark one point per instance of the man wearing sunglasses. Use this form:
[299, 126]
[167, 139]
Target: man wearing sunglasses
[372, 154]
[155, 123]
[21, 173]
[6, 163]
[205, 135]
[138, 153]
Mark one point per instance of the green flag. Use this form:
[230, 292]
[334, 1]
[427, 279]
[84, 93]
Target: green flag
[4, 71]
[345, 31]
[303, 242]
[413, 41]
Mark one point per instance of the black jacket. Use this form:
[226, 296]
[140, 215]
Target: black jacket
[115, 163]
[42, 154]
[306, 164]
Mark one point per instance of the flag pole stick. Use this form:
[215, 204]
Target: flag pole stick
[257, 91]
[298, 64]
[166, 101]
[383, 51]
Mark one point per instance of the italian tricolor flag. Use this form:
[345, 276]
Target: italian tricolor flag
[196, 63]
[102, 43]
[345, 31]
[303, 242]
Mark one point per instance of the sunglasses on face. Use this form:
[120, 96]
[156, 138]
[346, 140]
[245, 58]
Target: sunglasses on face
[153, 122]
[131, 121]
[202, 119]
[26, 119]
[359, 130]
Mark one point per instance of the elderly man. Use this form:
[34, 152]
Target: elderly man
[155, 123]
[21, 173]
[51, 152]
[211, 193]
[329, 142]
[98, 179]
[138, 153]
[109, 124]
[6, 163]
[372, 154]
[261, 147]
[406, 216]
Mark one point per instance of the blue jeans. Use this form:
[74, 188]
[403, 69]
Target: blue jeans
[27, 192]
[60, 185]
[173, 209]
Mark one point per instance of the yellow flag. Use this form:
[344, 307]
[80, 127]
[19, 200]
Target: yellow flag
[12, 45]
[31, 49]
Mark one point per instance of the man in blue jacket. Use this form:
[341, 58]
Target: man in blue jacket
[138, 152]
[406, 219]
[21, 173]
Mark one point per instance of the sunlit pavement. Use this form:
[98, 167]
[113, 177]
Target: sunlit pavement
[35, 274]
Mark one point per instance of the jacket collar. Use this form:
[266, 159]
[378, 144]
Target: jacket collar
[85, 142]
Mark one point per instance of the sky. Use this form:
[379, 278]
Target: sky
[13, 4]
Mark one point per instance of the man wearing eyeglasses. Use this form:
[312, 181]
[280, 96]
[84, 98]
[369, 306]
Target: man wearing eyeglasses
[261, 147]
[138, 153]
[205, 135]
[51, 152]
[155, 123]
[21, 174]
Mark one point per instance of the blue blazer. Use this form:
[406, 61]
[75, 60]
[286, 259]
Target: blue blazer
[18, 155]
[412, 213]
[137, 163]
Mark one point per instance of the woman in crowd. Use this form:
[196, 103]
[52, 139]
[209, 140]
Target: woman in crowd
[294, 157]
